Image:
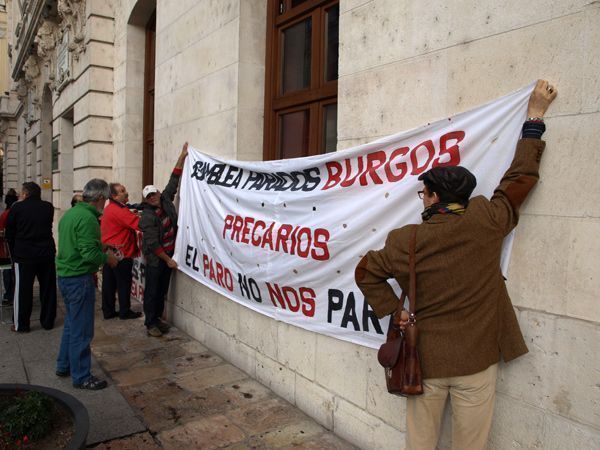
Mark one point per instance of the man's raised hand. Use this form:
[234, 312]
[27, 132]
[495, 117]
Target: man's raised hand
[543, 94]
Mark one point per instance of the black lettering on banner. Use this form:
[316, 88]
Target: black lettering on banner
[368, 313]
[249, 288]
[191, 257]
[338, 302]
[215, 174]
[335, 302]
[350, 313]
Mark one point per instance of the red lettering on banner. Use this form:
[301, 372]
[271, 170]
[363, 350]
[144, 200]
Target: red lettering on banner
[238, 223]
[320, 243]
[414, 158]
[350, 181]
[401, 166]
[334, 173]
[369, 167]
[290, 298]
[256, 237]
[248, 221]
[374, 161]
[221, 276]
[282, 237]
[453, 151]
[297, 240]
[228, 224]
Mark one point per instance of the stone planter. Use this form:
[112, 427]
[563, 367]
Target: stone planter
[78, 412]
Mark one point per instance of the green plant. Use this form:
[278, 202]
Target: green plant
[24, 416]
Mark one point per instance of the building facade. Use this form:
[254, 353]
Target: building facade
[112, 89]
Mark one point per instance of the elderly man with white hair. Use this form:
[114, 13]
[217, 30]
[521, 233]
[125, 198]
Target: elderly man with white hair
[79, 257]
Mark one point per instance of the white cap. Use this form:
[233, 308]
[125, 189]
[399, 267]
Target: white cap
[150, 189]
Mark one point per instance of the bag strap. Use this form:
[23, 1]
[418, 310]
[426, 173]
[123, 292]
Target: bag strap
[412, 286]
[412, 281]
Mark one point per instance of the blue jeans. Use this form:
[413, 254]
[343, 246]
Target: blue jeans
[75, 353]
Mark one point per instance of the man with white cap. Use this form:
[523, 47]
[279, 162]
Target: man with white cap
[159, 227]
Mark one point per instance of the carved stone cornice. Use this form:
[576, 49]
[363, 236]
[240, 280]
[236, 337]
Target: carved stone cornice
[45, 39]
[72, 13]
[31, 69]
[25, 32]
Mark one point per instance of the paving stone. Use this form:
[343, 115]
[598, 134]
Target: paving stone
[243, 392]
[327, 441]
[212, 376]
[209, 433]
[140, 441]
[193, 347]
[102, 349]
[192, 363]
[137, 375]
[294, 435]
[150, 398]
[143, 343]
[208, 402]
[260, 417]
[118, 361]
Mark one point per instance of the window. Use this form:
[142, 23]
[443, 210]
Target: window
[301, 78]
[55, 152]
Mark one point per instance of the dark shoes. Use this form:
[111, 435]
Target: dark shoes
[159, 329]
[92, 384]
[20, 330]
[131, 315]
[63, 373]
[128, 315]
[163, 327]
[154, 331]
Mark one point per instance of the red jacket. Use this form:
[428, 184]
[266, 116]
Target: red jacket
[119, 227]
[4, 252]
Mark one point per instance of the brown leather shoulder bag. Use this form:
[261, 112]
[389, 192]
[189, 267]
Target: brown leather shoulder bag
[399, 355]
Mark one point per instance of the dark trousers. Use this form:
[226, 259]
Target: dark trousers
[9, 284]
[117, 281]
[157, 285]
[25, 274]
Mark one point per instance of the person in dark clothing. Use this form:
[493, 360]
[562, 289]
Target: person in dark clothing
[29, 236]
[7, 274]
[159, 227]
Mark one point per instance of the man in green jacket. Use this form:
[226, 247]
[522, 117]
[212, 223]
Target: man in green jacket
[79, 257]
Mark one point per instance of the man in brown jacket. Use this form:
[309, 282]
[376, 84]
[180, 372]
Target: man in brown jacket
[466, 320]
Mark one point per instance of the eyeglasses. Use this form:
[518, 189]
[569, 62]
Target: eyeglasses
[421, 194]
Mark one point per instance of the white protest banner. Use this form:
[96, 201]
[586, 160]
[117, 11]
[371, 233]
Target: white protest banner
[138, 273]
[283, 237]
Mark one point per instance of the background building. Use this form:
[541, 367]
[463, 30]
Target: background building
[112, 89]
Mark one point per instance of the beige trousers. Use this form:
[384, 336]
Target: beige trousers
[472, 399]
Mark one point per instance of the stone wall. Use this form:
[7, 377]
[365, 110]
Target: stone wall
[403, 64]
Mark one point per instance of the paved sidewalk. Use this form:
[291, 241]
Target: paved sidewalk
[30, 358]
[169, 392]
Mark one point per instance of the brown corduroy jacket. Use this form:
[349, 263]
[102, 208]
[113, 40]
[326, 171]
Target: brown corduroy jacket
[464, 314]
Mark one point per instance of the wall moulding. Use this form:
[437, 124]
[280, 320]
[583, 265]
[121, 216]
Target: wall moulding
[72, 14]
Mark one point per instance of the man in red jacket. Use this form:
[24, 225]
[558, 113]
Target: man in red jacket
[119, 226]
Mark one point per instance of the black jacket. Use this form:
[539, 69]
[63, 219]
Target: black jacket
[150, 223]
[29, 231]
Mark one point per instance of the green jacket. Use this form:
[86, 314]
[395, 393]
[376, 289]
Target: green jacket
[79, 245]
